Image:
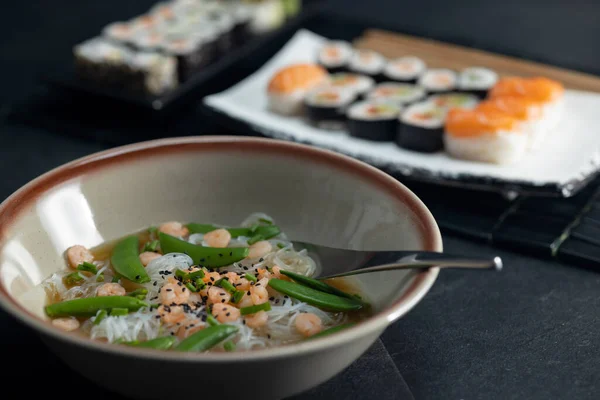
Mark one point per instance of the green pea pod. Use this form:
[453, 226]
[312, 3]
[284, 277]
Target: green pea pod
[314, 297]
[265, 232]
[161, 343]
[91, 305]
[211, 257]
[330, 331]
[207, 338]
[125, 260]
[316, 284]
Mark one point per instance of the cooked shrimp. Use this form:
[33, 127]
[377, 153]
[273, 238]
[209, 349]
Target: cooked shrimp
[259, 293]
[171, 315]
[308, 324]
[189, 328]
[195, 298]
[246, 301]
[242, 284]
[225, 312]
[77, 255]
[148, 256]
[277, 272]
[174, 293]
[174, 228]
[263, 273]
[260, 249]
[256, 320]
[217, 295]
[110, 289]
[232, 277]
[218, 238]
[66, 324]
[211, 277]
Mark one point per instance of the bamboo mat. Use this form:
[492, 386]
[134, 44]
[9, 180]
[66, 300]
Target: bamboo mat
[444, 55]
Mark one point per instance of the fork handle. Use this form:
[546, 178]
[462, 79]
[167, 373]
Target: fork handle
[427, 260]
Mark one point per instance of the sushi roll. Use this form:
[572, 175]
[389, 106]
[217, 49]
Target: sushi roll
[404, 69]
[421, 128]
[189, 55]
[242, 16]
[148, 41]
[335, 56]
[224, 25]
[546, 91]
[325, 107]
[164, 12]
[373, 121]
[146, 22]
[155, 73]
[359, 84]
[477, 81]
[368, 63]
[526, 110]
[288, 87]
[437, 81]
[455, 100]
[485, 136]
[119, 32]
[102, 61]
[398, 93]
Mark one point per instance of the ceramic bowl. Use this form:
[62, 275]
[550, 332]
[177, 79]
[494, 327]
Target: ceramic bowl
[314, 195]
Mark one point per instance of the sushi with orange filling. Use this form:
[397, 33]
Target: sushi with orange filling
[373, 120]
[421, 127]
[546, 91]
[485, 136]
[526, 110]
[288, 87]
[326, 107]
[335, 56]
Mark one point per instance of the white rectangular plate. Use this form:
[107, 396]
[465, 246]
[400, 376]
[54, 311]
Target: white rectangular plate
[566, 162]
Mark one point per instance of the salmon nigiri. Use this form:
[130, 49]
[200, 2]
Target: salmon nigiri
[484, 135]
[287, 88]
[526, 110]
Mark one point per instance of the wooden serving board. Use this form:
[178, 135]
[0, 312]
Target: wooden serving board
[444, 55]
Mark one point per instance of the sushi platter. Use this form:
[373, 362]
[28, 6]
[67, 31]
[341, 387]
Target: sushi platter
[472, 127]
[155, 57]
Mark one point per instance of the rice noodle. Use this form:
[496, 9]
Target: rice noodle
[139, 325]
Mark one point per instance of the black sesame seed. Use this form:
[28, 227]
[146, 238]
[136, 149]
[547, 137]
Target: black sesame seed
[261, 259]
[230, 253]
[220, 254]
[212, 279]
[222, 300]
[172, 333]
[277, 301]
[202, 259]
[169, 290]
[244, 321]
[269, 335]
[155, 283]
[271, 298]
[245, 268]
[157, 317]
[137, 277]
[183, 289]
[221, 294]
[228, 314]
[248, 293]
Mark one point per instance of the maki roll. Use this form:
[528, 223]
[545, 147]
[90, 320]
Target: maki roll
[485, 136]
[289, 85]
[101, 61]
[164, 12]
[335, 56]
[224, 24]
[146, 22]
[421, 128]
[368, 63]
[398, 93]
[404, 69]
[148, 41]
[119, 32]
[359, 84]
[477, 81]
[189, 55]
[373, 121]
[325, 107]
[436, 81]
[455, 100]
[242, 16]
[154, 73]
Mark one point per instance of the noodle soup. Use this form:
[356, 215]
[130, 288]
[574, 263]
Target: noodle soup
[199, 287]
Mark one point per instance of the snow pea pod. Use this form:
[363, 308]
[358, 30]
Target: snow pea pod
[207, 338]
[316, 284]
[91, 305]
[326, 301]
[125, 260]
[264, 231]
[161, 343]
[330, 331]
[211, 257]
